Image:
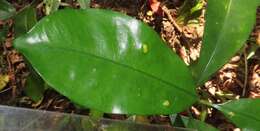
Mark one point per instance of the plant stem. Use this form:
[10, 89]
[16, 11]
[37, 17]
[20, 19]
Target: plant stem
[167, 12]
[203, 114]
[246, 73]
[205, 102]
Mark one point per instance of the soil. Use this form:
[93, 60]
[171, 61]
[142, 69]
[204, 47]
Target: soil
[240, 78]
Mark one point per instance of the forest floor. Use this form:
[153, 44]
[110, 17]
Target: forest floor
[238, 76]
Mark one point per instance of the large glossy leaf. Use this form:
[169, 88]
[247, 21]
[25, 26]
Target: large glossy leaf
[244, 113]
[24, 20]
[228, 25]
[6, 10]
[109, 62]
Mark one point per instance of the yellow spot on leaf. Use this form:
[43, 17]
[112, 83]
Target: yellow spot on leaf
[166, 103]
[4, 79]
[231, 114]
[145, 48]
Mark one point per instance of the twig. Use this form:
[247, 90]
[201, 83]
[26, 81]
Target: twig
[176, 26]
[11, 75]
[205, 102]
[246, 73]
[167, 12]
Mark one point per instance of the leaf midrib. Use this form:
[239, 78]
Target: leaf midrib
[125, 66]
[217, 45]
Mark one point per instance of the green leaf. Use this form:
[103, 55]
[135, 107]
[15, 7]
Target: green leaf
[34, 88]
[109, 62]
[228, 25]
[51, 6]
[176, 120]
[6, 10]
[84, 4]
[196, 124]
[244, 113]
[24, 20]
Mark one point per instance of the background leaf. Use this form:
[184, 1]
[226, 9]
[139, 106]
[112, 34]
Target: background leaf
[244, 113]
[228, 25]
[190, 123]
[84, 4]
[6, 10]
[34, 87]
[24, 20]
[176, 120]
[197, 124]
[115, 64]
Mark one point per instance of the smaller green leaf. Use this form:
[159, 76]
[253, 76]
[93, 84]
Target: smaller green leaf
[6, 10]
[244, 113]
[227, 28]
[34, 87]
[51, 6]
[24, 20]
[196, 124]
[84, 4]
[187, 122]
